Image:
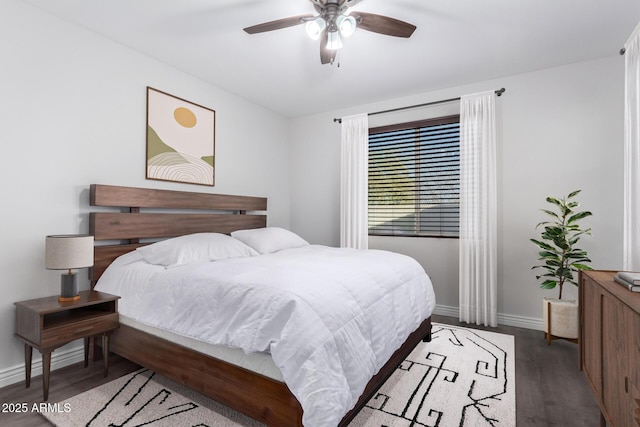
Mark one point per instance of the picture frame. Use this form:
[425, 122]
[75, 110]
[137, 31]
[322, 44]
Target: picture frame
[180, 140]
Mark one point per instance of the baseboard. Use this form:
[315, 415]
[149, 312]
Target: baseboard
[521, 321]
[59, 359]
[503, 319]
[445, 310]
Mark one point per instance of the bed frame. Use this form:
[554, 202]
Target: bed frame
[172, 214]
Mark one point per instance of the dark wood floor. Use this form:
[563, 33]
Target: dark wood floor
[550, 390]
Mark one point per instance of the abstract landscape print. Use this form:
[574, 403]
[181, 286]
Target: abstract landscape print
[180, 140]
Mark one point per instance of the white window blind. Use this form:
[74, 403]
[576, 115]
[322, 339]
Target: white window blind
[414, 178]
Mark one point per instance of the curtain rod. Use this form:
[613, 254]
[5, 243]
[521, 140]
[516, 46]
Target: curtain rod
[498, 92]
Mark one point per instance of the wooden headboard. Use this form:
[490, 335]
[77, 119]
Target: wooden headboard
[173, 213]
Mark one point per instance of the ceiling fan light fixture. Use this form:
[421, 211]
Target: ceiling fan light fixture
[333, 20]
[314, 28]
[333, 40]
[346, 24]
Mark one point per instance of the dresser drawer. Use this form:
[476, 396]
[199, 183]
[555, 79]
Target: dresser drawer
[62, 334]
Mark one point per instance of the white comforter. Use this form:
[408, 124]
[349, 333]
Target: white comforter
[330, 317]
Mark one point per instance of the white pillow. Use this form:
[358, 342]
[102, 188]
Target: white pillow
[269, 239]
[193, 248]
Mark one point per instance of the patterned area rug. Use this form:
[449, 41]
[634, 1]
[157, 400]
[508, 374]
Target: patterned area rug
[463, 377]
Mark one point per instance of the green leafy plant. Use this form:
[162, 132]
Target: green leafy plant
[557, 243]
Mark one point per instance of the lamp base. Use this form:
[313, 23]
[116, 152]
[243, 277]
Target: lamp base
[68, 288]
[70, 299]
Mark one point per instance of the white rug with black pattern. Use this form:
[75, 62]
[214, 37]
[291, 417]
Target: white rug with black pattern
[463, 377]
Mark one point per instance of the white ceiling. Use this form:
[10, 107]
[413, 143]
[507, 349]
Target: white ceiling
[457, 42]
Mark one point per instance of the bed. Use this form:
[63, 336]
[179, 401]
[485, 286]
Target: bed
[145, 214]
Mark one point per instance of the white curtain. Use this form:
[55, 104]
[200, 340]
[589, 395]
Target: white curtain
[478, 210]
[631, 225]
[354, 182]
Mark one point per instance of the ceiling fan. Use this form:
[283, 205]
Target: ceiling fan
[333, 21]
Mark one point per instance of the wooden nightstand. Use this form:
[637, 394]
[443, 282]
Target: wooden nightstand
[46, 324]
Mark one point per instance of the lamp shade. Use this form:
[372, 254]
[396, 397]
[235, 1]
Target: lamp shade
[346, 24]
[64, 252]
[333, 41]
[314, 28]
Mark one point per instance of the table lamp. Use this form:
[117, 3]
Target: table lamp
[66, 252]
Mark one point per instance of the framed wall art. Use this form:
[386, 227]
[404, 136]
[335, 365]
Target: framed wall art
[180, 140]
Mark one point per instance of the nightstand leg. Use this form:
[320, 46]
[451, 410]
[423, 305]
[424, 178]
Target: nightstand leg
[87, 340]
[46, 372]
[28, 353]
[105, 353]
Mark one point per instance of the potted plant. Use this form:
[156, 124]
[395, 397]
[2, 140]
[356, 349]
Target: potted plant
[561, 259]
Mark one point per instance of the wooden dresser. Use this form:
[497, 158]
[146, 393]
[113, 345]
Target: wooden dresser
[610, 346]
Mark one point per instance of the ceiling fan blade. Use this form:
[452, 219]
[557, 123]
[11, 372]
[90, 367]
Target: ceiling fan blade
[278, 24]
[349, 3]
[383, 24]
[326, 55]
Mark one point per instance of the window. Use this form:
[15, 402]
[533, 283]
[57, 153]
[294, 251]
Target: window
[414, 178]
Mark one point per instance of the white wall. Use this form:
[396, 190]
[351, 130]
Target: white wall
[73, 113]
[561, 129]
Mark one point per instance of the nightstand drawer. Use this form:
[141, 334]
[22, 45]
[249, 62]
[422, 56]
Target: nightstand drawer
[63, 333]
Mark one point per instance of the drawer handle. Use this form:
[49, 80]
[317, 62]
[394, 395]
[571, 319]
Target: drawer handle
[81, 330]
[626, 384]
